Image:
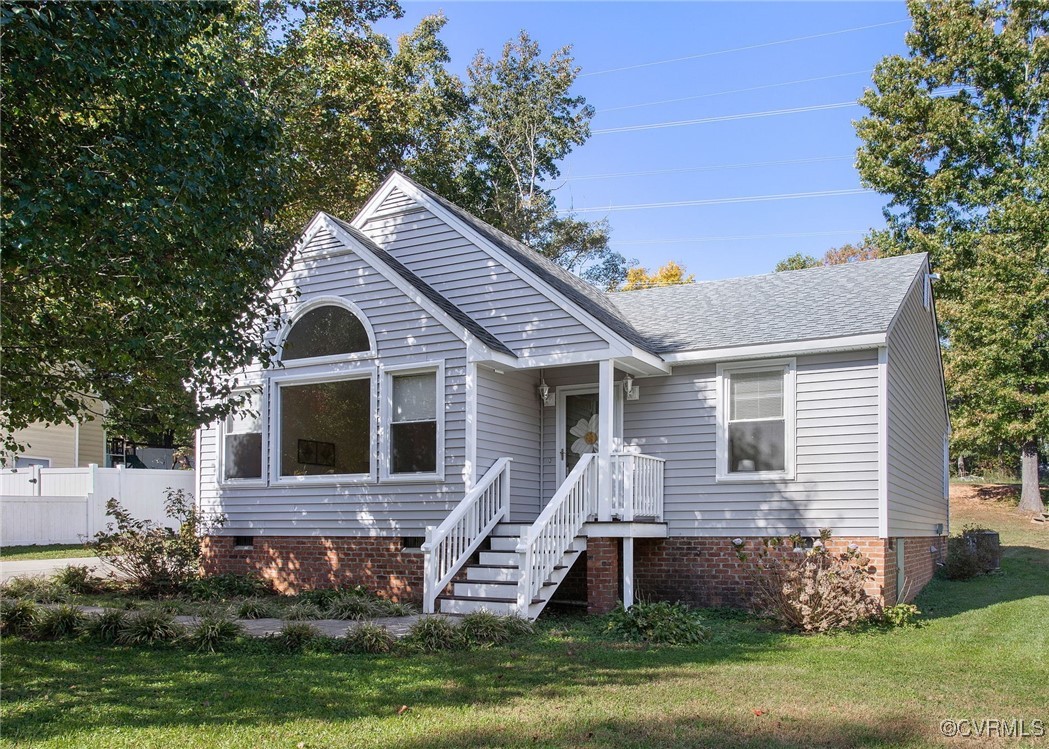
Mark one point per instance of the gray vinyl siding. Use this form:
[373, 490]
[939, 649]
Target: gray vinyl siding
[512, 310]
[836, 481]
[917, 422]
[508, 426]
[405, 334]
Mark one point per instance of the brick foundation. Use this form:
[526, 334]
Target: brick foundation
[296, 563]
[603, 575]
[919, 565]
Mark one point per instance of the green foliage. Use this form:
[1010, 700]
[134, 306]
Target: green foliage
[258, 608]
[228, 585]
[901, 615]
[106, 626]
[296, 637]
[432, 633]
[150, 627]
[213, 632]
[63, 620]
[797, 261]
[17, 616]
[78, 579]
[301, 610]
[360, 603]
[958, 138]
[482, 628]
[38, 589]
[847, 253]
[369, 638]
[141, 171]
[967, 557]
[155, 557]
[658, 622]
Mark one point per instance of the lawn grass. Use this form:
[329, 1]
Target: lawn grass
[982, 653]
[50, 551]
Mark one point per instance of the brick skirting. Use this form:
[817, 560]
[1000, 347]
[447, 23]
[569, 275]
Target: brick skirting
[296, 563]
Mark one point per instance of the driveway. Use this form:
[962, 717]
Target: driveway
[47, 567]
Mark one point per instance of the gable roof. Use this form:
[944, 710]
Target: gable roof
[576, 290]
[829, 302]
[472, 326]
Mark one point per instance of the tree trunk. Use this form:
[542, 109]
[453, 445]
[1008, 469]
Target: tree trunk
[1030, 494]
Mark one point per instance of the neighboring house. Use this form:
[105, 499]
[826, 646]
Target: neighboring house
[459, 420]
[59, 445]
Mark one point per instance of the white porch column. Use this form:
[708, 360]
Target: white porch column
[628, 572]
[606, 413]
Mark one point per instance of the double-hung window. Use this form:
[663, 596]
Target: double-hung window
[413, 419]
[755, 440]
[242, 441]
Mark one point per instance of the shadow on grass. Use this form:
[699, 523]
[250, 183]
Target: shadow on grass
[1024, 574]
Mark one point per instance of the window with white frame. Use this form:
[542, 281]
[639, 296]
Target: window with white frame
[755, 421]
[414, 423]
[242, 441]
[323, 331]
[325, 427]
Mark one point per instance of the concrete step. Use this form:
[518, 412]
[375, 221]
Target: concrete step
[486, 589]
[451, 605]
[500, 558]
[510, 529]
[481, 573]
[504, 543]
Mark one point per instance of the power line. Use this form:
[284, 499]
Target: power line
[709, 168]
[725, 118]
[744, 49]
[735, 237]
[602, 110]
[720, 201]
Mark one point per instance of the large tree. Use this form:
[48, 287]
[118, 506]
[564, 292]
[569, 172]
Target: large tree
[671, 273]
[847, 253]
[140, 175]
[958, 138]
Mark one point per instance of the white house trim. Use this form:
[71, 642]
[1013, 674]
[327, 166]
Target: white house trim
[788, 348]
[883, 442]
[220, 442]
[388, 372]
[325, 300]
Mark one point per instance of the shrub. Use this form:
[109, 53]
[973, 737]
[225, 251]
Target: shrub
[485, 628]
[155, 557]
[659, 622]
[18, 616]
[969, 555]
[433, 633]
[295, 637]
[228, 585]
[58, 622]
[257, 608]
[150, 627]
[323, 597]
[369, 638]
[78, 579]
[213, 631]
[810, 589]
[901, 615]
[302, 610]
[37, 589]
[106, 626]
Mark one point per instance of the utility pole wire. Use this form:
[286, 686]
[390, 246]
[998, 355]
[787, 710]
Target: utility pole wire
[724, 118]
[720, 201]
[710, 168]
[746, 48]
[739, 237]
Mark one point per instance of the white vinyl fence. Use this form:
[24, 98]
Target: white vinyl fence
[68, 505]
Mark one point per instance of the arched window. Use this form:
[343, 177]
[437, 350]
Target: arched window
[327, 330]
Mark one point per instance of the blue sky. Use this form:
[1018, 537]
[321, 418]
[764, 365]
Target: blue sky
[809, 151]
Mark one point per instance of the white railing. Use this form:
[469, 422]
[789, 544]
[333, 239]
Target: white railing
[637, 486]
[544, 544]
[449, 545]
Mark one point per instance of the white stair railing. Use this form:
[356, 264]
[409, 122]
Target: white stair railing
[544, 544]
[450, 544]
[637, 486]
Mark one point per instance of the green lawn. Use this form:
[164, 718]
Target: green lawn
[982, 654]
[52, 551]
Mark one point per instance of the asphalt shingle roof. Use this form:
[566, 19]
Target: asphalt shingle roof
[474, 327]
[827, 302]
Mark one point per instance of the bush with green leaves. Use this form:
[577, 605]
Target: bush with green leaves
[156, 558]
[369, 638]
[808, 588]
[18, 616]
[78, 579]
[228, 585]
[658, 622]
[901, 615]
[106, 626]
[296, 637]
[302, 611]
[38, 589]
[967, 556]
[212, 632]
[433, 633]
[63, 620]
[485, 628]
[150, 627]
[258, 608]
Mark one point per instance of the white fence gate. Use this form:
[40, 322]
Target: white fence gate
[68, 505]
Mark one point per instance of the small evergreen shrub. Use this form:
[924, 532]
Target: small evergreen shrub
[433, 633]
[484, 628]
[659, 622]
[966, 556]
[901, 615]
[351, 607]
[18, 616]
[78, 579]
[106, 626]
[370, 638]
[38, 589]
[212, 632]
[228, 585]
[302, 610]
[56, 623]
[258, 608]
[296, 637]
[150, 627]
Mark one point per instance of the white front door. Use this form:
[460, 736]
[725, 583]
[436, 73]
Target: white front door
[576, 429]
